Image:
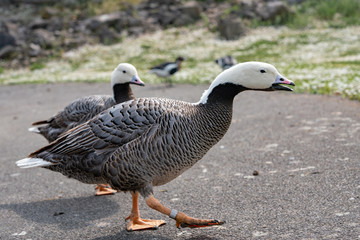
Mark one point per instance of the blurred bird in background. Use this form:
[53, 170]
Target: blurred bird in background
[226, 62]
[167, 69]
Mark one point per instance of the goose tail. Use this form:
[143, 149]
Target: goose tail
[34, 129]
[32, 162]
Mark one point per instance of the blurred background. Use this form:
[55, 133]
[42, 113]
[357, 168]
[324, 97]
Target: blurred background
[316, 43]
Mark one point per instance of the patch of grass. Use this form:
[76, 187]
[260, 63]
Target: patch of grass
[262, 43]
[333, 12]
[257, 51]
[346, 63]
[233, 8]
[351, 51]
[75, 64]
[36, 66]
[348, 9]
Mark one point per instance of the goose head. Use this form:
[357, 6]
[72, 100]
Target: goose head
[125, 73]
[180, 59]
[248, 76]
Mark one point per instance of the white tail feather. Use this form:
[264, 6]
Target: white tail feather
[34, 129]
[32, 162]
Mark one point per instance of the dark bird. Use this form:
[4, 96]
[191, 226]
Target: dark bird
[167, 69]
[85, 108]
[226, 62]
[148, 142]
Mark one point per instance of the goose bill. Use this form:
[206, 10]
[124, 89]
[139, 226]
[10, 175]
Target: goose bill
[280, 81]
[136, 80]
[277, 86]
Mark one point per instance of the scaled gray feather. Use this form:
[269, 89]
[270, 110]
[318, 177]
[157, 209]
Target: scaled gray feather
[138, 144]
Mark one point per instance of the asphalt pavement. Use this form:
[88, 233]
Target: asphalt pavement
[288, 168]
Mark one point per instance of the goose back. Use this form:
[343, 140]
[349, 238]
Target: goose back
[74, 114]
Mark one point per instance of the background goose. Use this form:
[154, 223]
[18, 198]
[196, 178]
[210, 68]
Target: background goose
[167, 69]
[83, 109]
[148, 142]
[226, 62]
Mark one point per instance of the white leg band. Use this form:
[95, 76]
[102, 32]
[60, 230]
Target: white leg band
[173, 213]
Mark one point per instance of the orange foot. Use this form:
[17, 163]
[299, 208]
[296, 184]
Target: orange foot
[137, 223]
[104, 189]
[182, 220]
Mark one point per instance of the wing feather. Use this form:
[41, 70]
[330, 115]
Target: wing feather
[109, 130]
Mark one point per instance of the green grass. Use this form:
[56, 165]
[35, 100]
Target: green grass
[320, 61]
[311, 13]
[333, 13]
[36, 65]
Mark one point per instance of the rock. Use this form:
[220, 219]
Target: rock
[106, 35]
[35, 2]
[92, 24]
[129, 22]
[231, 28]
[117, 20]
[183, 20]
[3, 27]
[247, 9]
[7, 52]
[34, 50]
[43, 38]
[192, 9]
[22, 35]
[270, 10]
[55, 24]
[6, 39]
[166, 18]
[134, 22]
[38, 23]
[48, 12]
[110, 19]
[135, 31]
[5, 2]
[295, 1]
[73, 42]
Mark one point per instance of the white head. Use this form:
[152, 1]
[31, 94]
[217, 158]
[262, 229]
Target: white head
[125, 73]
[251, 76]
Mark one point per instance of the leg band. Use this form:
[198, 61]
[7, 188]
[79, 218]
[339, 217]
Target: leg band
[173, 213]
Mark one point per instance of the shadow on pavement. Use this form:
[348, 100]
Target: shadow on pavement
[69, 213]
[133, 236]
[143, 235]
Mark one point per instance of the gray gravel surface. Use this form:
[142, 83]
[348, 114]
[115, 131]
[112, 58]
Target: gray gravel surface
[305, 149]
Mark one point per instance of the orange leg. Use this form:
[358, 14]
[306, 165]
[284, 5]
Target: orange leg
[182, 220]
[104, 189]
[137, 223]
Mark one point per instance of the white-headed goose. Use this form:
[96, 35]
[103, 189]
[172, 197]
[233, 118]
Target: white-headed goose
[85, 108]
[148, 142]
[167, 69]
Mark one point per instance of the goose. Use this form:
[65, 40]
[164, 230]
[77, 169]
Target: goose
[226, 62]
[85, 108]
[167, 69]
[147, 142]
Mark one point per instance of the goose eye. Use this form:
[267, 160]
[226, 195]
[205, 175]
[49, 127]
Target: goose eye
[124, 71]
[262, 71]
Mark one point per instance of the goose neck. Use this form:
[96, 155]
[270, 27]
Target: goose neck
[122, 92]
[222, 94]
